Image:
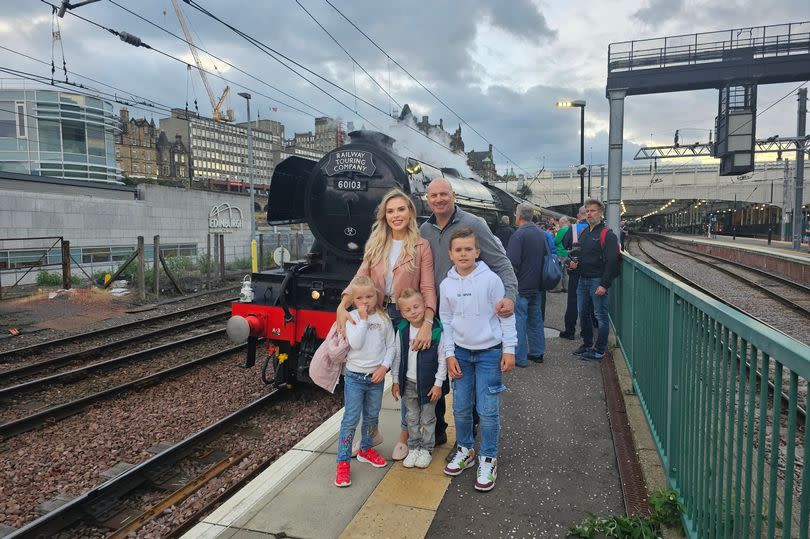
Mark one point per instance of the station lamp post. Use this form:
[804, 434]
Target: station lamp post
[250, 168]
[581, 104]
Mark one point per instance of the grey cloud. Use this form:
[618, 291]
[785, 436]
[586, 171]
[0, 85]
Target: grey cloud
[657, 12]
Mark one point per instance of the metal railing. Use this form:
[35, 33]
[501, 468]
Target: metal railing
[708, 47]
[734, 444]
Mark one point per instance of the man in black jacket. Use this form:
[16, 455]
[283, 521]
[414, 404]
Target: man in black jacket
[598, 265]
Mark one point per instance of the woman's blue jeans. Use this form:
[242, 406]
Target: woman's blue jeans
[479, 387]
[363, 398]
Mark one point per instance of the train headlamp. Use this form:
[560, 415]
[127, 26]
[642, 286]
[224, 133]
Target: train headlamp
[315, 294]
[413, 167]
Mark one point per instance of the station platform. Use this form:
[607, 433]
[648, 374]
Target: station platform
[556, 463]
[782, 249]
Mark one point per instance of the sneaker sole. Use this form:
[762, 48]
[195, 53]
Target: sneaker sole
[408, 465]
[483, 488]
[453, 473]
[423, 467]
[342, 485]
[361, 459]
[579, 354]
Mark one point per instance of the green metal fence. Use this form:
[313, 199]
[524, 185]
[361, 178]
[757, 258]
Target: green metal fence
[733, 448]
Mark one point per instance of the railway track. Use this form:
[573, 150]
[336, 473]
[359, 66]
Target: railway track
[61, 411]
[13, 378]
[772, 285]
[99, 506]
[784, 398]
[18, 354]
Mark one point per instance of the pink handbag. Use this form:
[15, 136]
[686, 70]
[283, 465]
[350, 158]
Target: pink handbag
[327, 362]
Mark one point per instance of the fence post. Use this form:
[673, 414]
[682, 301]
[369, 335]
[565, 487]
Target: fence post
[156, 264]
[141, 271]
[208, 262]
[222, 257]
[261, 250]
[66, 277]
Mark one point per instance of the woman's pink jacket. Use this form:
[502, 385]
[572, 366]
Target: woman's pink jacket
[421, 278]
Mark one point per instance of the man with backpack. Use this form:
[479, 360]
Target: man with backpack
[598, 265]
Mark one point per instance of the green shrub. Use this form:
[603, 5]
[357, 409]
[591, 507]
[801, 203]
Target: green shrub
[180, 263]
[49, 279]
[239, 264]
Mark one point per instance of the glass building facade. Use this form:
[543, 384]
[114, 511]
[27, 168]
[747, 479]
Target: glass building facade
[59, 134]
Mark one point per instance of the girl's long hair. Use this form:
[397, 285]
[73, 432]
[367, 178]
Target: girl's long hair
[379, 241]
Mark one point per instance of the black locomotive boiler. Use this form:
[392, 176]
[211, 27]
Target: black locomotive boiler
[293, 307]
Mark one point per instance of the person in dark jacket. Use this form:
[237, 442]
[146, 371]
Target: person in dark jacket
[571, 242]
[526, 251]
[504, 231]
[598, 265]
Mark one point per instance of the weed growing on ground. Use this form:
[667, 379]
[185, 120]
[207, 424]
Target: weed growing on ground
[666, 511]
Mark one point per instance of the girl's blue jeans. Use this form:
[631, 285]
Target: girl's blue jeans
[361, 398]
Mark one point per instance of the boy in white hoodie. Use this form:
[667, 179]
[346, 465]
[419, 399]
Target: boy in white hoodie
[480, 347]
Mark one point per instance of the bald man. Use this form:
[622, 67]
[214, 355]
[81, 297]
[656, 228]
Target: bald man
[446, 218]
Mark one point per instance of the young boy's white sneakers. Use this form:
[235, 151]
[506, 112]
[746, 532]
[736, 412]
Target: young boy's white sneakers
[423, 459]
[410, 460]
[463, 459]
[487, 474]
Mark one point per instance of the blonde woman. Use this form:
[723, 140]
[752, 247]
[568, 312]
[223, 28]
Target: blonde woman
[396, 258]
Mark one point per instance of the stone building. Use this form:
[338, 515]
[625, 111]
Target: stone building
[456, 143]
[482, 164]
[328, 134]
[136, 147]
[172, 159]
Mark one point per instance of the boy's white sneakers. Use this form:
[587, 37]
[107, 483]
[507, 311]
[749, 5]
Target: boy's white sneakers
[487, 474]
[423, 459]
[411, 459]
[463, 459]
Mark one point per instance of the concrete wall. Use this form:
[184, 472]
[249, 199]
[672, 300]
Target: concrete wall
[95, 219]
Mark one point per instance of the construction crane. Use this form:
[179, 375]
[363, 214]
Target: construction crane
[216, 104]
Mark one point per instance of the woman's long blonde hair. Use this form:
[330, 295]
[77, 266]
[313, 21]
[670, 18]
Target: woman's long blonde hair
[379, 241]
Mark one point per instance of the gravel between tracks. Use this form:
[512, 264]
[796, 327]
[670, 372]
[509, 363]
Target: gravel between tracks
[60, 393]
[69, 456]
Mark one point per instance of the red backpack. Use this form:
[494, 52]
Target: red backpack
[602, 236]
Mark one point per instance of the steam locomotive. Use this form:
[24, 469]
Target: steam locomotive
[292, 308]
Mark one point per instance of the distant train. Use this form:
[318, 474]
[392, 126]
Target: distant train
[292, 308]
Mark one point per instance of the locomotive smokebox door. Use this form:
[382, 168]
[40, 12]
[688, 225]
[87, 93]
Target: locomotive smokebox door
[345, 190]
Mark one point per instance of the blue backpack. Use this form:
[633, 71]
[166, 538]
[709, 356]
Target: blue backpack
[552, 272]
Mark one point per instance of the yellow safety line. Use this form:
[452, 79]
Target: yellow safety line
[406, 500]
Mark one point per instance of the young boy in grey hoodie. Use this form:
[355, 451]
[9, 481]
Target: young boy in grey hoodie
[480, 347]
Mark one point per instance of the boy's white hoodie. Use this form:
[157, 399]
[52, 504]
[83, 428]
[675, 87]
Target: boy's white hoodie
[467, 311]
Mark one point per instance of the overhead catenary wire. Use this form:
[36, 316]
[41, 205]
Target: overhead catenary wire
[134, 97]
[370, 76]
[436, 97]
[277, 56]
[129, 38]
[225, 62]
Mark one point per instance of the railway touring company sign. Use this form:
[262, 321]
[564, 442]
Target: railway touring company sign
[343, 161]
[224, 218]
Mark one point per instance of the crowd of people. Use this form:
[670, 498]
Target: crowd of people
[449, 304]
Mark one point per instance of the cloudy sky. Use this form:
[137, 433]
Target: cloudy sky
[500, 65]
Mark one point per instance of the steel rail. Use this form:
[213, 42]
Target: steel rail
[800, 411]
[34, 348]
[781, 280]
[57, 361]
[61, 411]
[50, 524]
[102, 365]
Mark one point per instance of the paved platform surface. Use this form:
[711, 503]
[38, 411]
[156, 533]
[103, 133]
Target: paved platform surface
[556, 463]
[777, 248]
